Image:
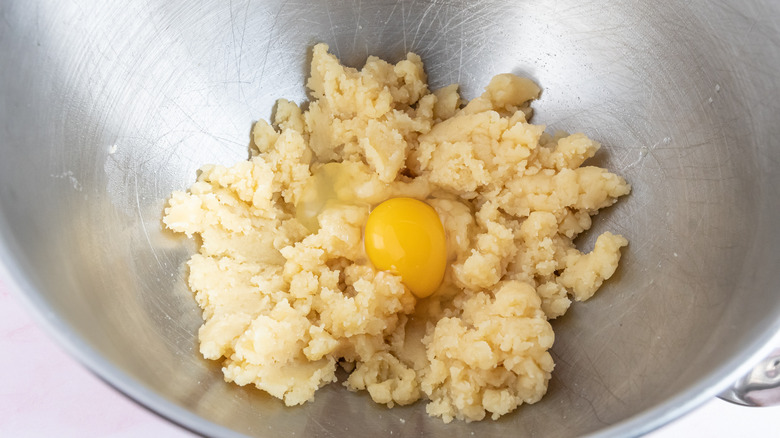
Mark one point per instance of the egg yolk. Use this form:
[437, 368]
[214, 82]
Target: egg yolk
[405, 236]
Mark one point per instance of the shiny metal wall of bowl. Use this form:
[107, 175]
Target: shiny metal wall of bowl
[106, 107]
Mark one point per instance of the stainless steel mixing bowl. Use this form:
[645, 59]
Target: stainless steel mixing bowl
[109, 106]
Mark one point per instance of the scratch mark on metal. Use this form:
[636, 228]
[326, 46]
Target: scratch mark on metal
[420, 24]
[241, 51]
[332, 31]
[270, 40]
[387, 21]
[357, 24]
[403, 25]
[143, 225]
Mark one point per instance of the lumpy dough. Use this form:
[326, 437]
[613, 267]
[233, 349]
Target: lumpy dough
[288, 293]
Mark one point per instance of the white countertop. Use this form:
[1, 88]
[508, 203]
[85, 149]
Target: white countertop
[45, 393]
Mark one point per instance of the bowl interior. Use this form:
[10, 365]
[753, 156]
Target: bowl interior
[106, 110]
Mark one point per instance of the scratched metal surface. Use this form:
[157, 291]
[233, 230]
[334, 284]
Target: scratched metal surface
[106, 109]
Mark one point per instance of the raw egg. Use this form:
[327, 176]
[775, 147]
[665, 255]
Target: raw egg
[331, 184]
[405, 236]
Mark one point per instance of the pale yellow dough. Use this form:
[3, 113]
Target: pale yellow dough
[288, 294]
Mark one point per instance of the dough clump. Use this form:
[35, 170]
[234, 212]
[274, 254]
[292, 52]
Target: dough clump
[288, 293]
